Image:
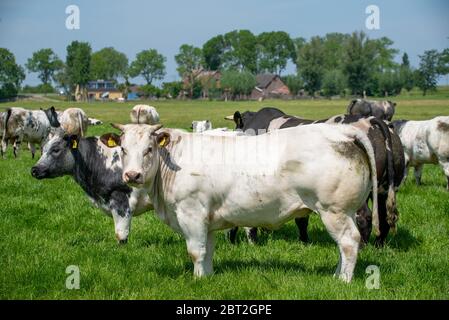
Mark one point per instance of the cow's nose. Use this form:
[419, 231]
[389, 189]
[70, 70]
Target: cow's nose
[34, 172]
[132, 176]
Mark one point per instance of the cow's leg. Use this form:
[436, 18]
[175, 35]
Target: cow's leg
[251, 235]
[363, 219]
[16, 148]
[4, 147]
[32, 148]
[232, 234]
[343, 230]
[418, 174]
[302, 224]
[445, 165]
[383, 223]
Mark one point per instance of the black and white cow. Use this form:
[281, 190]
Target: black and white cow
[425, 142]
[32, 126]
[98, 170]
[390, 165]
[383, 110]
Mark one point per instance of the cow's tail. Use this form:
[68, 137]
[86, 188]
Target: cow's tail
[351, 105]
[363, 140]
[392, 211]
[5, 123]
[138, 115]
[80, 119]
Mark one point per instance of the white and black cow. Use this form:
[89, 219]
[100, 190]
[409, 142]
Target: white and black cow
[390, 165]
[143, 113]
[73, 121]
[199, 184]
[98, 170]
[425, 142]
[383, 110]
[200, 126]
[32, 126]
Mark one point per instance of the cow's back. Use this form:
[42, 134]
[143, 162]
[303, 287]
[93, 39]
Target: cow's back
[74, 121]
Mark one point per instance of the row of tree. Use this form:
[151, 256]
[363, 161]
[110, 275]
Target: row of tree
[330, 65]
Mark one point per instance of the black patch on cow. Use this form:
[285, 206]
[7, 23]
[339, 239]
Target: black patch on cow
[338, 119]
[90, 172]
[443, 126]
[115, 158]
[52, 117]
[260, 120]
[294, 122]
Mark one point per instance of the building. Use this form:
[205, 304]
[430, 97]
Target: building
[269, 86]
[103, 90]
[209, 79]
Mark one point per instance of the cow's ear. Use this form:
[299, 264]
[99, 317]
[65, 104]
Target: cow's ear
[163, 139]
[110, 140]
[238, 120]
[72, 141]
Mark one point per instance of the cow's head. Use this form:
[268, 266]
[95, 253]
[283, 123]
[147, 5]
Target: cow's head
[52, 116]
[241, 119]
[57, 156]
[140, 145]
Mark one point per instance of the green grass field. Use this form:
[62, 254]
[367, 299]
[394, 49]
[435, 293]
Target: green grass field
[48, 225]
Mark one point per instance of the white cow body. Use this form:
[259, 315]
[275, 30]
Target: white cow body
[197, 195]
[144, 114]
[201, 126]
[74, 121]
[425, 142]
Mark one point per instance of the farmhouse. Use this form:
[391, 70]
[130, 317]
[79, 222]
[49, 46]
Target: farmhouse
[269, 86]
[103, 90]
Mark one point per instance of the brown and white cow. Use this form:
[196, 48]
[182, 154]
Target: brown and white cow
[199, 184]
[383, 110]
[73, 121]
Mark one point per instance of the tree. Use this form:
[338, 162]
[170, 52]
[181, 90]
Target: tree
[189, 60]
[389, 83]
[240, 51]
[11, 74]
[294, 83]
[78, 67]
[406, 73]
[213, 51]
[275, 49]
[384, 54]
[149, 64]
[334, 83]
[311, 64]
[172, 89]
[46, 63]
[237, 83]
[443, 62]
[358, 66]
[427, 73]
[334, 48]
[108, 64]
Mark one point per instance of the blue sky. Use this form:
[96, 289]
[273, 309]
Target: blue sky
[133, 25]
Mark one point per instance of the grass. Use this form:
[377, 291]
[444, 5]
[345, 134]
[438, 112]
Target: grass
[48, 225]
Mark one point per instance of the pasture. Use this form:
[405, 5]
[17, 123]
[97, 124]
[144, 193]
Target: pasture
[48, 225]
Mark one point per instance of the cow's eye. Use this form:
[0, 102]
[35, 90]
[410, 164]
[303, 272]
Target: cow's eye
[56, 150]
[148, 151]
[123, 151]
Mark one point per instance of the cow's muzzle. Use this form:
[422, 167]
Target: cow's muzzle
[38, 173]
[133, 177]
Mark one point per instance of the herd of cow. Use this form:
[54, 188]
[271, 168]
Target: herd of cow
[274, 167]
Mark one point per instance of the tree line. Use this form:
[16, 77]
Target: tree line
[333, 64]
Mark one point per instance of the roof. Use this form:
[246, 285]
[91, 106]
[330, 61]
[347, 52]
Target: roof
[264, 80]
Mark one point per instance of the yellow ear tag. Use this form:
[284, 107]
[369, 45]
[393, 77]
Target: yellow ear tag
[111, 142]
[162, 143]
[74, 144]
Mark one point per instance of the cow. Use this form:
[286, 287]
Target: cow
[197, 194]
[73, 121]
[94, 122]
[383, 110]
[32, 126]
[389, 162]
[200, 126]
[143, 113]
[98, 170]
[425, 142]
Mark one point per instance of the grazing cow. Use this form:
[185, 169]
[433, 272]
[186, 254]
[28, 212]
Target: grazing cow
[425, 142]
[383, 110]
[198, 185]
[143, 113]
[390, 165]
[73, 121]
[200, 126]
[94, 122]
[32, 126]
[98, 170]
